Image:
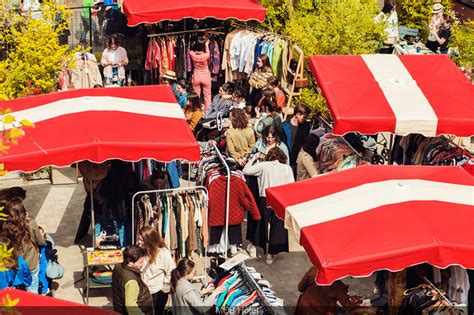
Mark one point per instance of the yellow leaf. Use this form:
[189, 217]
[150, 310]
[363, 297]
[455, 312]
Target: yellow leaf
[8, 119]
[15, 133]
[7, 302]
[26, 123]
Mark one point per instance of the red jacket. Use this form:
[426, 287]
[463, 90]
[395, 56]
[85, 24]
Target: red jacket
[240, 199]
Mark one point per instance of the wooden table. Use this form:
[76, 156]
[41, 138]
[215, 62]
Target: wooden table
[99, 258]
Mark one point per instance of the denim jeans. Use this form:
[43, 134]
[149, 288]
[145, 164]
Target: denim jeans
[33, 288]
[85, 28]
[118, 225]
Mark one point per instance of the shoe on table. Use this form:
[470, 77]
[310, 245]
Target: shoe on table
[233, 249]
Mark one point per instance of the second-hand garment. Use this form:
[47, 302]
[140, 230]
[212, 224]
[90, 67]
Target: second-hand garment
[86, 73]
[241, 49]
[241, 200]
[174, 53]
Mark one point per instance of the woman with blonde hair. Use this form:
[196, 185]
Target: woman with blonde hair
[240, 138]
[156, 272]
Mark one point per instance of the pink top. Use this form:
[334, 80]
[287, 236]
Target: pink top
[200, 61]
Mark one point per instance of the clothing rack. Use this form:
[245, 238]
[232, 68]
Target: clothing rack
[227, 197]
[438, 291]
[262, 31]
[158, 191]
[247, 277]
[469, 154]
[329, 126]
[188, 31]
[210, 29]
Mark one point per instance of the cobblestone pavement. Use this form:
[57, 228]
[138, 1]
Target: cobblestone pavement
[58, 209]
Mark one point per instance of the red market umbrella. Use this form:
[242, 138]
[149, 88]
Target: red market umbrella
[153, 11]
[357, 221]
[128, 123]
[33, 304]
[400, 94]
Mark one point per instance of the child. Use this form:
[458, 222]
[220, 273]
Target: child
[46, 253]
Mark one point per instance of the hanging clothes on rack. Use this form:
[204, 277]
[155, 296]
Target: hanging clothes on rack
[171, 52]
[336, 155]
[243, 46]
[245, 292]
[180, 218]
[418, 150]
[86, 74]
[241, 200]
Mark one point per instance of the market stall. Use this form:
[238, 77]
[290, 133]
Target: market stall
[400, 94]
[97, 125]
[151, 11]
[129, 123]
[369, 218]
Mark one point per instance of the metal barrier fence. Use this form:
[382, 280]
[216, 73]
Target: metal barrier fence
[95, 31]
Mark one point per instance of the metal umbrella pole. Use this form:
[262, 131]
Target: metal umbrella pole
[227, 195]
[92, 213]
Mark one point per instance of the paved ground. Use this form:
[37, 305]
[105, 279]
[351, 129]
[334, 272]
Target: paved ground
[58, 209]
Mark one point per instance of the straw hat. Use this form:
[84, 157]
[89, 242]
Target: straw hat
[170, 75]
[437, 7]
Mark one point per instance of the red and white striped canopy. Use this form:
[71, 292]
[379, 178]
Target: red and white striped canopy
[400, 94]
[27, 303]
[128, 123]
[154, 11]
[368, 218]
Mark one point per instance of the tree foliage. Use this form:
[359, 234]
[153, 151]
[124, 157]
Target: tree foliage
[326, 27]
[417, 14]
[34, 54]
[462, 40]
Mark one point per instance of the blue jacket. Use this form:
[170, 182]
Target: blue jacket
[182, 99]
[11, 278]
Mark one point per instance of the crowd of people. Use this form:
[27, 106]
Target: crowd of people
[31, 250]
[246, 122]
[148, 275]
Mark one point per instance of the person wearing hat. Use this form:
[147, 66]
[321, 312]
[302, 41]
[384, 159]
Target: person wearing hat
[435, 25]
[170, 78]
[442, 35]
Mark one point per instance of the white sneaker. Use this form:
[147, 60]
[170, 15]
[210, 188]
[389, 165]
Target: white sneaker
[252, 250]
[233, 249]
[270, 259]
